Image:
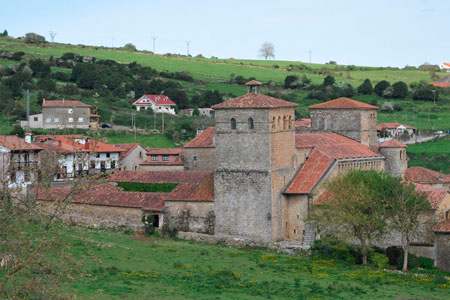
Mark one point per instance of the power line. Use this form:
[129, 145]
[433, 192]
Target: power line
[52, 36]
[187, 44]
[154, 39]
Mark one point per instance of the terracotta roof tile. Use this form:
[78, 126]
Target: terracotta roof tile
[203, 140]
[343, 103]
[310, 173]
[382, 126]
[203, 191]
[302, 123]
[392, 144]
[157, 99]
[434, 195]
[333, 145]
[159, 176]
[64, 103]
[164, 151]
[128, 148]
[423, 175]
[162, 163]
[253, 82]
[253, 100]
[443, 227]
[15, 143]
[441, 84]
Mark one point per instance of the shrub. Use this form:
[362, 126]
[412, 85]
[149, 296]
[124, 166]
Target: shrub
[380, 87]
[425, 93]
[331, 247]
[291, 82]
[413, 261]
[18, 131]
[400, 90]
[40, 68]
[388, 92]
[329, 80]
[34, 38]
[147, 187]
[46, 84]
[393, 253]
[166, 230]
[148, 221]
[365, 88]
[387, 107]
[18, 55]
[61, 76]
[129, 47]
[68, 55]
[379, 260]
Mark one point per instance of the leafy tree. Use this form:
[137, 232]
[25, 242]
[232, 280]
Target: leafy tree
[291, 82]
[426, 93]
[404, 205]
[40, 68]
[196, 112]
[178, 96]
[366, 87]
[5, 33]
[353, 207]
[388, 92]
[129, 47]
[18, 131]
[207, 98]
[329, 80]
[400, 90]
[46, 84]
[34, 38]
[6, 97]
[267, 50]
[380, 87]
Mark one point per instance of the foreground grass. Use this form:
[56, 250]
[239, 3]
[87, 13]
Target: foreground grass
[121, 266]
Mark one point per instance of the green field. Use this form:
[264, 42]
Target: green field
[434, 155]
[124, 266]
[153, 141]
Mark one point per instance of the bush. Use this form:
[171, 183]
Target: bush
[329, 80]
[425, 93]
[331, 247]
[18, 55]
[415, 262]
[69, 55]
[129, 47]
[167, 231]
[365, 88]
[61, 76]
[387, 107]
[388, 92]
[149, 229]
[34, 38]
[380, 87]
[40, 68]
[18, 131]
[291, 82]
[46, 84]
[400, 90]
[393, 253]
[379, 260]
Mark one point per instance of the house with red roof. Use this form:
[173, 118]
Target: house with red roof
[395, 130]
[445, 66]
[158, 103]
[61, 114]
[131, 158]
[160, 159]
[19, 160]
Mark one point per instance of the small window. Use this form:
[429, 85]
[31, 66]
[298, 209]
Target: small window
[56, 120]
[113, 164]
[93, 164]
[70, 111]
[108, 155]
[195, 157]
[98, 155]
[154, 158]
[140, 155]
[233, 123]
[165, 157]
[70, 120]
[80, 120]
[48, 120]
[250, 124]
[35, 119]
[295, 231]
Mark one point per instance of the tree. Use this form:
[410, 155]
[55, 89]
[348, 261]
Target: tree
[404, 205]
[353, 207]
[34, 38]
[130, 47]
[267, 50]
[380, 87]
[18, 131]
[46, 84]
[196, 112]
[329, 80]
[5, 33]
[40, 68]
[291, 82]
[366, 87]
[400, 90]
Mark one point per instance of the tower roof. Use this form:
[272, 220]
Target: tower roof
[343, 103]
[392, 144]
[253, 82]
[253, 100]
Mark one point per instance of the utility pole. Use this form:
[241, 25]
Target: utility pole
[52, 36]
[162, 122]
[154, 39]
[28, 109]
[434, 97]
[187, 44]
[309, 56]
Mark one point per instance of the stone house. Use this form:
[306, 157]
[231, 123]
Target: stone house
[169, 159]
[158, 103]
[60, 114]
[19, 160]
[395, 130]
[200, 152]
[133, 155]
[207, 112]
[428, 177]
[442, 245]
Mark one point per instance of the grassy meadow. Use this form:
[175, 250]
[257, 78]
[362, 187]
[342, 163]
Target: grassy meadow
[121, 265]
[433, 155]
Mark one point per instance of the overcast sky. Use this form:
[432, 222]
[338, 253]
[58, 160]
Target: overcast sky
[359, 32]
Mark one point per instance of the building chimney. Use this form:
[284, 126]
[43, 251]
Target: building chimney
[28, 137]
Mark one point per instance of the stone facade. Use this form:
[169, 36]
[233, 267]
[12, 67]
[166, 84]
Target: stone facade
[200, 159]
[357, 124]
[65, 117]
[190, 216]
[396, 161]
[442, 244]
[132, 160]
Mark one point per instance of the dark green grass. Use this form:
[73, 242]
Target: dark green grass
[121, 266]
[434, 155]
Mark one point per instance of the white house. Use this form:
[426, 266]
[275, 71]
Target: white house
[158, 103]
[445, 66]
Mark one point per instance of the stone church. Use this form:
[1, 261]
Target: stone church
[267, 175]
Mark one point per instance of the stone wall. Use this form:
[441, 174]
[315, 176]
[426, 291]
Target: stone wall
[296, 212]
[369, 123]
[190, 216]
[133, 159]
[396, 162]
[442, 244]
[63, 114]
[200, 159]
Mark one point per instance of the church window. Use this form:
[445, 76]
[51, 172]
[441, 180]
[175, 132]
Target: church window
[279, 122]
[290, 122]
[250, 124]
[274, 123]
[295, 231]
[195, 157]
[284, 122]
[233, 123]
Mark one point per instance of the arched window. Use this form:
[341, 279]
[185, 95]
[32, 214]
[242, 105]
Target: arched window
[328, 123]
[274, 125]
[285, 122]
[279, 122]
[250, 124]
[233, 123]
[290, 122]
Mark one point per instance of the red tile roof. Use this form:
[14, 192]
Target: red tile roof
[382, 126]
[441, 84]
[392, 144]
[64, 103]
[100, 147]
[443, 227]
[203, 140]
[164, 151]
[157, 99]
[89, 146]
[446, 64]
[128, 148]
[423, 175]
[343, 103]
[310, 173]
[302, 123]
[333, 145]
[104, 195]
[434, 195]
[253, 100]
[15, 143]
[253, 82]
[159, 176]
[162, 163]
[203, 191]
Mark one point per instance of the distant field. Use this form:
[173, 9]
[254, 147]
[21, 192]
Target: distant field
[433, 155]
[153, 141]
[120, 266]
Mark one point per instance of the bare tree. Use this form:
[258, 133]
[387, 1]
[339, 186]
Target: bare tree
[267, 50]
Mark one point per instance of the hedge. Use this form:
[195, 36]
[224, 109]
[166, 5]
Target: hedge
[147, 187]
